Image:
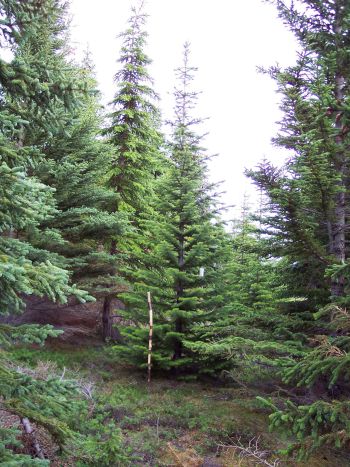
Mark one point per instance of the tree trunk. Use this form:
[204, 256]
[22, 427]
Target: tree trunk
[109, 332]
[178, 344]
[106, 319]
[339, 224]
[179, 293]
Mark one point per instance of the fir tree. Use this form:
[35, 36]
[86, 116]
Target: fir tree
[252, 333]
[26, 203]
[72, 160]
[308, 196]
[134, 136]
[182, 248]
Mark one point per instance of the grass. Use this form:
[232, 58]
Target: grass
[170, 423]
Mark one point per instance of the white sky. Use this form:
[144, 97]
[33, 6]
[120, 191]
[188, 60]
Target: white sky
[229, 39]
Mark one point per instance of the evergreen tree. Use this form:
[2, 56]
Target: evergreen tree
[253, 334]
[182, 248]
[308, 196]
[27, 98]
[308, 215]
[134, 136]
[71, 159]
[75, 165]
[25, 201]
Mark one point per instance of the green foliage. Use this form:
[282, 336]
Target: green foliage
[135, 140]
[181, 236]
[325, 366]
[26, 334]
[9, 438]
[305, 215]
[108, 215]
[64, 405]
[75, 165]
[306, 222]
[315, 425]
[29, 94]
[37, 88]
[134, 122]
[102, 443]
[251, 333]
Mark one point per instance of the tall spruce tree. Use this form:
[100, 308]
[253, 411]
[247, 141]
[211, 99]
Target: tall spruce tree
[134, 136]
[182, 247]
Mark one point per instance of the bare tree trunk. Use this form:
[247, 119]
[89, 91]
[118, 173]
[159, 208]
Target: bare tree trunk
[106, 319]
[339, 224]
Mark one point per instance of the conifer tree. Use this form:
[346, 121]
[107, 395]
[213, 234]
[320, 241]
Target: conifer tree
[72, 160]
[182, 250]
[27, 98]
[75, 165]
[134, 136]
[252, 333]
[25, 201]
[308, 197]
[308, 215]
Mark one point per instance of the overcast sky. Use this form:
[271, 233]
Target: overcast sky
[229, 39]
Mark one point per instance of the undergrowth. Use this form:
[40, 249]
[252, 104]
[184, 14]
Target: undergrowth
[129, 423]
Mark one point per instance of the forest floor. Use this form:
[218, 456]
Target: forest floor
[172, 423]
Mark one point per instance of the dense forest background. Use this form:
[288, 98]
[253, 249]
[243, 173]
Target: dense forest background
[96, 204]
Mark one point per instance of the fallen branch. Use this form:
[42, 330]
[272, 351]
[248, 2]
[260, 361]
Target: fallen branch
[252, 450]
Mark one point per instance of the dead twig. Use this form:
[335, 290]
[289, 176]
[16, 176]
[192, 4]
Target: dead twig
[252, 451]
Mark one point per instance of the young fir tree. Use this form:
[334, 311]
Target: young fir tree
[308, 213]
[134, 136]
[181, 249]
[252, 334]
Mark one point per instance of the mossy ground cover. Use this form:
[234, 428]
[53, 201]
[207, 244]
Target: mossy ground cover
[170, 423]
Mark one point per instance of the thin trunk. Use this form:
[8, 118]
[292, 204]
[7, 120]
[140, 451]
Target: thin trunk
[106, 319]
[339, 224]
[179, 294]
[107, 328]
[150, 336]
[178, 344]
